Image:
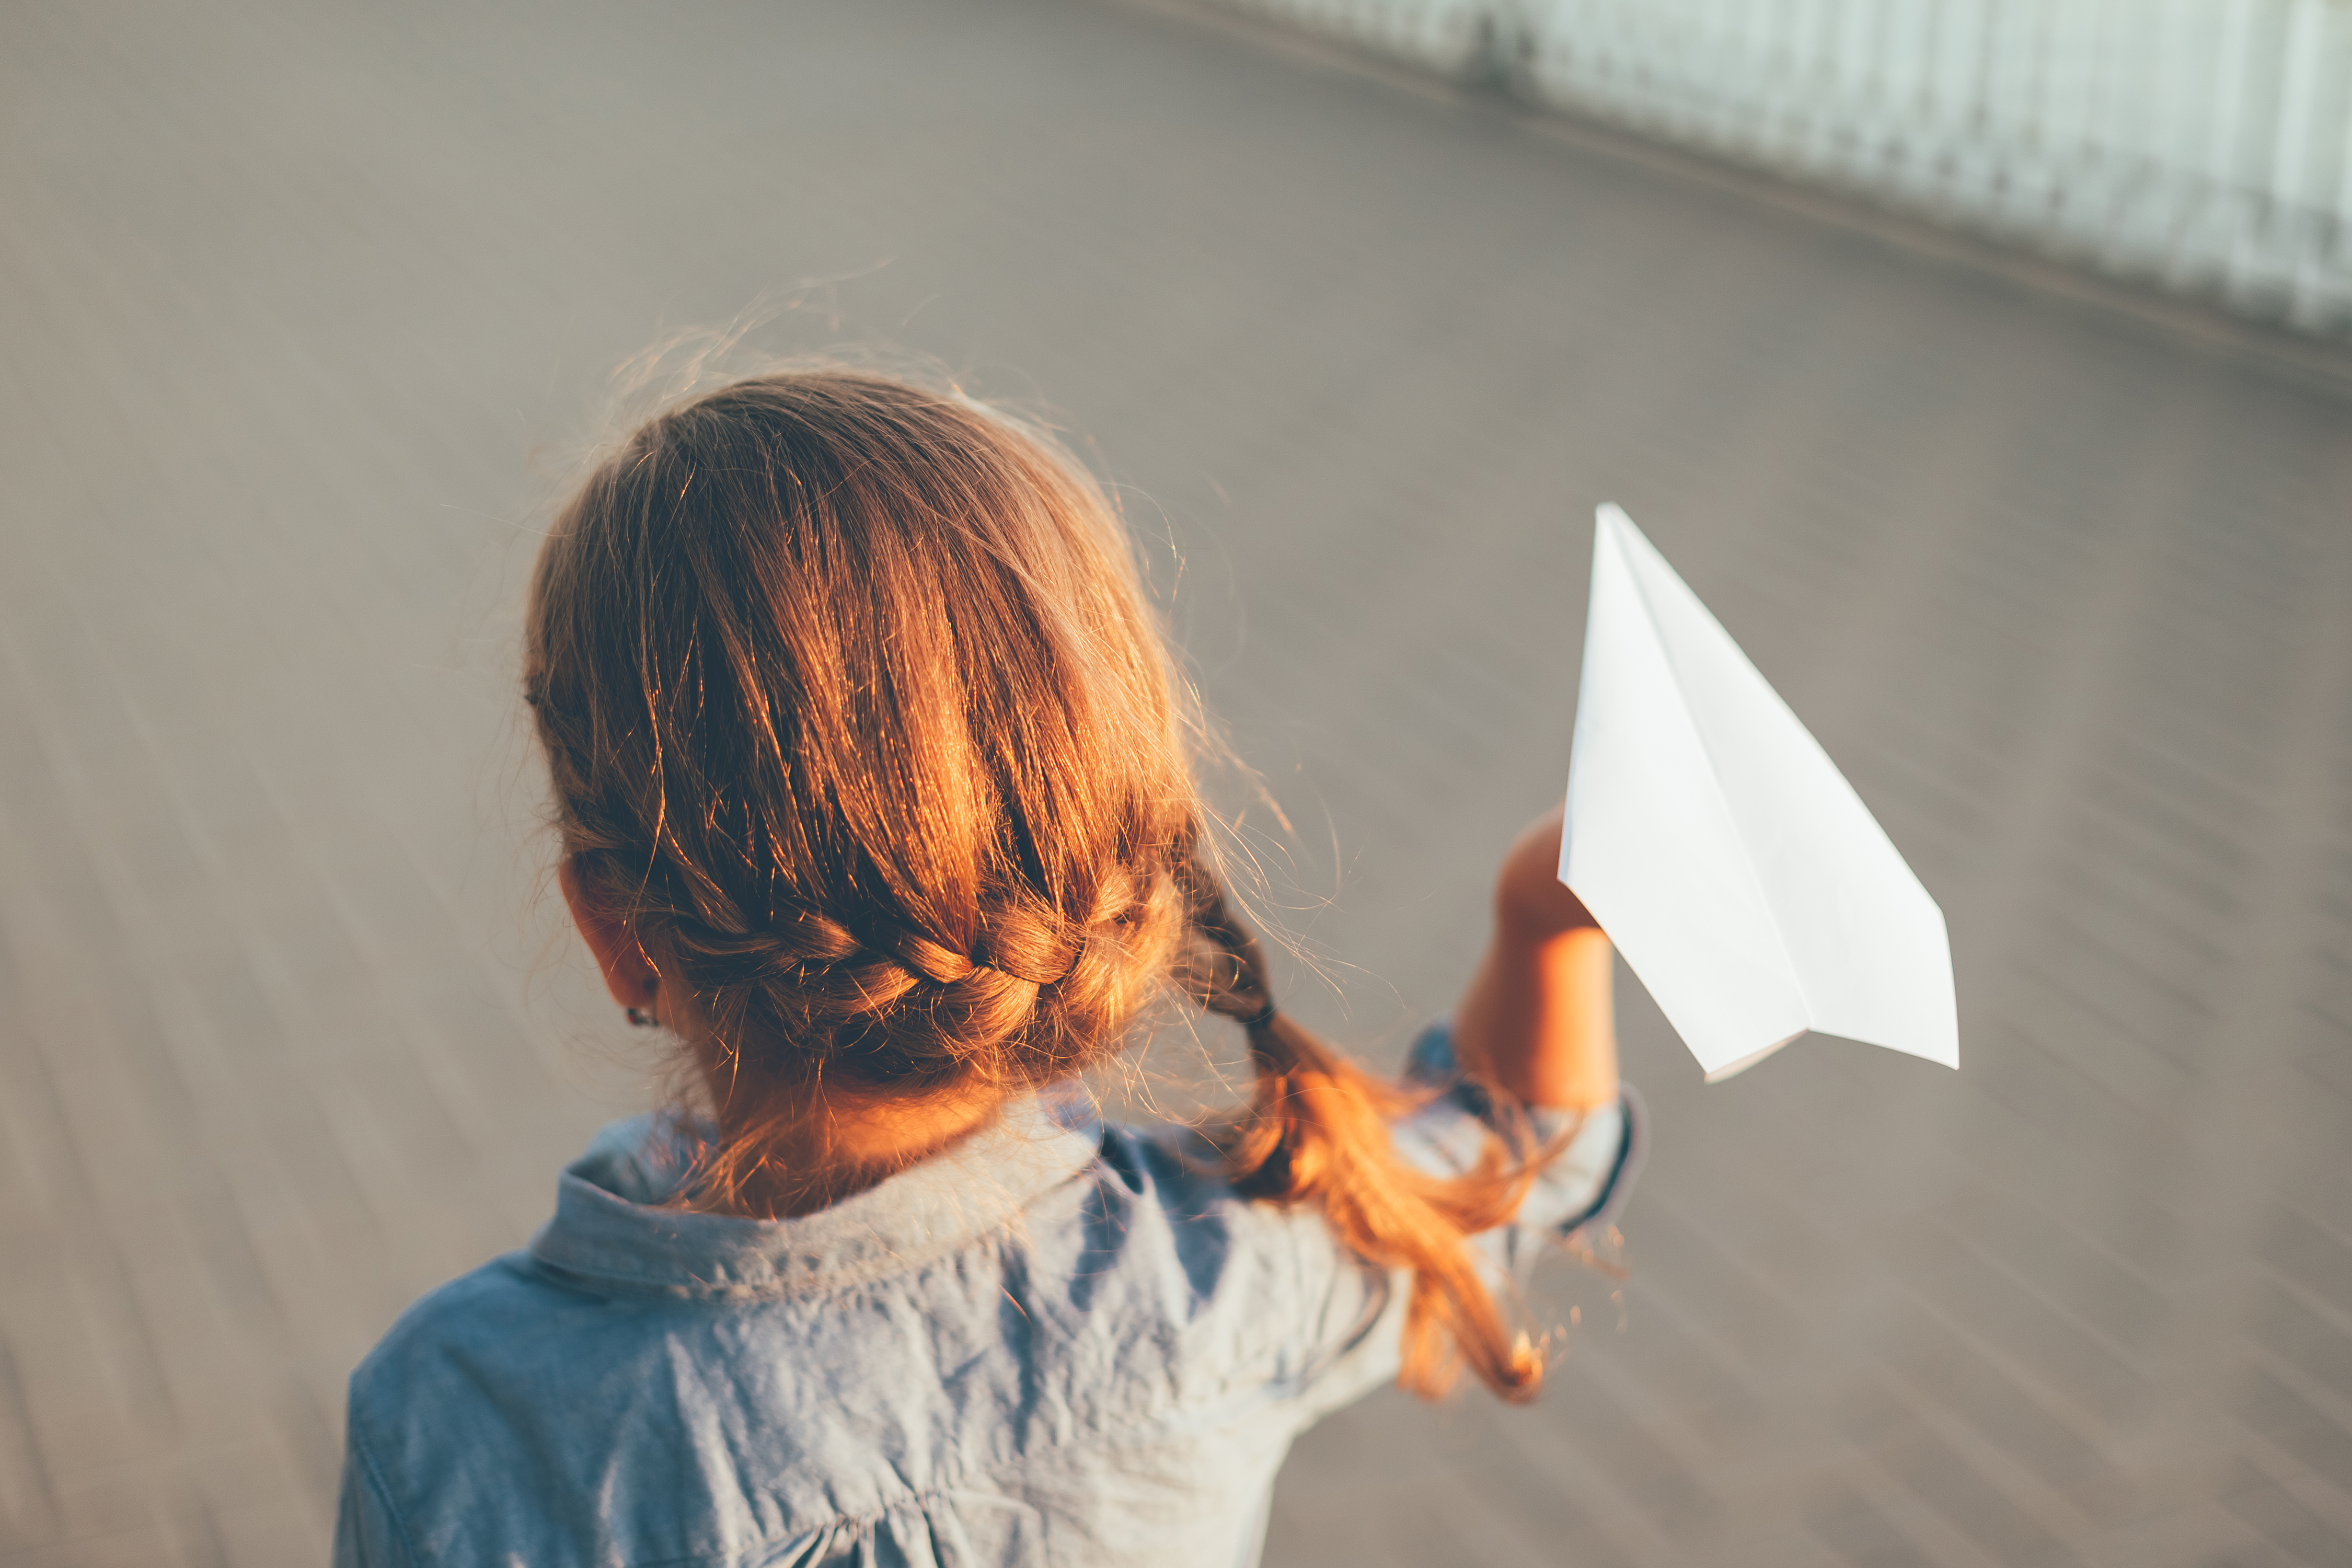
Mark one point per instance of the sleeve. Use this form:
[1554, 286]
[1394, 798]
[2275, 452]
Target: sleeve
[367, 1530]
[1578, 1195]
[1580, 1192]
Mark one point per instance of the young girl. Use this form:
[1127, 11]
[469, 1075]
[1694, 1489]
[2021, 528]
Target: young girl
[875, 796]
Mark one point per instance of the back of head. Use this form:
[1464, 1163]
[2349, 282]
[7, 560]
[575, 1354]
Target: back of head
[857, 714]
[858, 722]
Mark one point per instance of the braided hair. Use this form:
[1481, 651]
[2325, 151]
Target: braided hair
[856, 716]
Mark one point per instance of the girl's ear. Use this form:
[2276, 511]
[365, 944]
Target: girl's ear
[629, 974]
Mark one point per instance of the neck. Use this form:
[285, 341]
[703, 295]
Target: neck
[831, 1146]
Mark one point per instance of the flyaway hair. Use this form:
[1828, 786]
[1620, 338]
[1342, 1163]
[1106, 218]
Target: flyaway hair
[858, 719]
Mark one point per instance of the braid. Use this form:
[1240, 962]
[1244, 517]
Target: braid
[1316, 1128]
[902, 1008]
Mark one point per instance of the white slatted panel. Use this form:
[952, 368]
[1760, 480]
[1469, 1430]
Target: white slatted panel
[2202, 144]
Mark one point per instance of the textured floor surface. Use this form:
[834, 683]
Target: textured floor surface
[300, 307]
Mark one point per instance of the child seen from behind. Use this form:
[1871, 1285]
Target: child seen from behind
[874, 785]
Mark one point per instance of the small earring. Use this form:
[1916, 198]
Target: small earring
[641, 1018]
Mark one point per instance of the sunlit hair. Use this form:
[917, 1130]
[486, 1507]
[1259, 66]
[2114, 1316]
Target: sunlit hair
[858, 719]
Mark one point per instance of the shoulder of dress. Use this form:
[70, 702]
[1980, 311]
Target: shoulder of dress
[475, 1312]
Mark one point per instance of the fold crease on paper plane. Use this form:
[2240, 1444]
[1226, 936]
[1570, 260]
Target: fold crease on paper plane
[1726, 855]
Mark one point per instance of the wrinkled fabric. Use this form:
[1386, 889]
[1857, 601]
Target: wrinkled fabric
[1060, 1341]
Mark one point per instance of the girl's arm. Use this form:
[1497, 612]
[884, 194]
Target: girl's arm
[1538, 1019]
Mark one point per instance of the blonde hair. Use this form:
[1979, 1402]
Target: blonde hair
[857, 717]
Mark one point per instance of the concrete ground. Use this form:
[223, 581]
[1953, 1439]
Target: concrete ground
[300, 307]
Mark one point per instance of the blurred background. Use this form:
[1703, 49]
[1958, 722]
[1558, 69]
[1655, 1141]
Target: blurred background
[2012, 442]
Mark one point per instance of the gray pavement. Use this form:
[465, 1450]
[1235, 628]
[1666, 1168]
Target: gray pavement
[301, 305]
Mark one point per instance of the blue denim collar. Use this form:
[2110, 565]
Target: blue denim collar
[611, 1235]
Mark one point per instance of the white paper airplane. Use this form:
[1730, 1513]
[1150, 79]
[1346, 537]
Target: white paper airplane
[1721, 850]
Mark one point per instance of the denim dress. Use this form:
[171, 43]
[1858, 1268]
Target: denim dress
[1059, 1341]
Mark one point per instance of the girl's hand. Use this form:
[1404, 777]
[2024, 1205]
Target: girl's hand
[1539, 1019]
[1531, 903]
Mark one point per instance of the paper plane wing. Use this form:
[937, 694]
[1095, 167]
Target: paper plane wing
[1721, 850]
